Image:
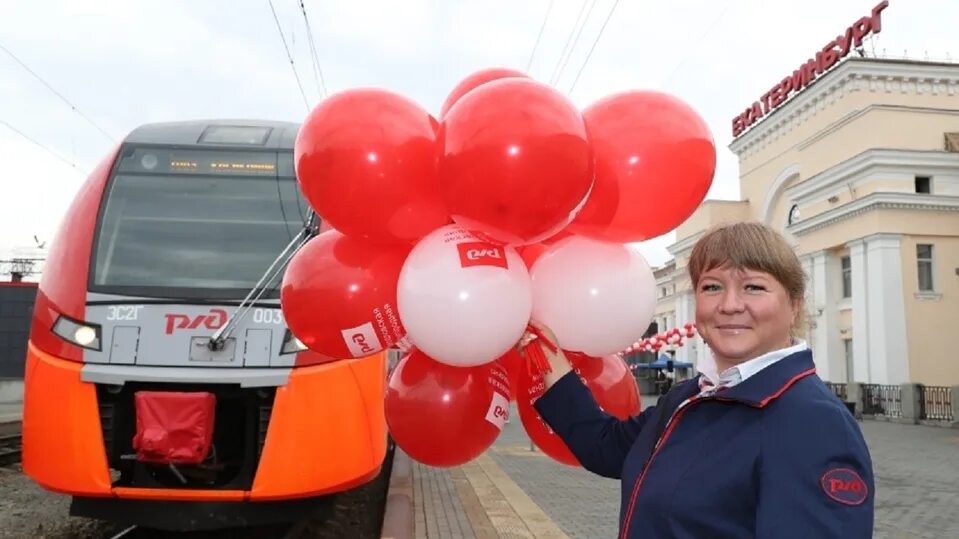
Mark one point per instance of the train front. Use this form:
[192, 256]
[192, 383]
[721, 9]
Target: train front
[128, 408]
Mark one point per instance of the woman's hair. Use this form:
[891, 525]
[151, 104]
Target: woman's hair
[752, 246]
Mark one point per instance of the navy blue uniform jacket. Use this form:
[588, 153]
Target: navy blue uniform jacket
[775, 456]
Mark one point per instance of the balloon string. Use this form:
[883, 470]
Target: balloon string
[542, 338]
[537, 358]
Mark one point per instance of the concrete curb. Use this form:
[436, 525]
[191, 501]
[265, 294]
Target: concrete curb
[398, 518]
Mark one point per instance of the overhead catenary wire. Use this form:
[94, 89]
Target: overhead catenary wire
[539, 36]
[289, 56]
[42, 146]
[569, 41]
[593, 47]
[58, 94]
[579, 33]
[317, 69]
[699, 40]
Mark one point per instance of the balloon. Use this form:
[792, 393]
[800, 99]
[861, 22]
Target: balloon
[325, 227]
[513, 363]
[517, 165]
[464, 301]
[445, 416]
[474, 81]
[565, 233]
[366, 161]
[339, 295]
[655, 161]
[595, 296]
[530, 253]
[530, 388]
[608, 379]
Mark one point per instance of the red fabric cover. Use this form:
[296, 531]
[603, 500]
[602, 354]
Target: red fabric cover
[173, 427]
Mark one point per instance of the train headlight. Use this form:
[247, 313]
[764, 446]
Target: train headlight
[79, 333]
[291, 344]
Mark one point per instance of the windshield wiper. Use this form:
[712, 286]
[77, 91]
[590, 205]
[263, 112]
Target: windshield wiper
[310, 229]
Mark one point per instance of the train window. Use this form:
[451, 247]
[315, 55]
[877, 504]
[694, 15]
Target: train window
[193, 236]
[235, 134]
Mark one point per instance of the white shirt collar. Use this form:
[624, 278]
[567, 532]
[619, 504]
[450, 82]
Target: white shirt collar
[738, 373]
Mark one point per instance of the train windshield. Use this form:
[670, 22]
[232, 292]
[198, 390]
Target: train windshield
[195, 223]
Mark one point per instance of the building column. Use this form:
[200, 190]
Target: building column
[827, 351]
[860, 322]
[886, 310]
[811, 314]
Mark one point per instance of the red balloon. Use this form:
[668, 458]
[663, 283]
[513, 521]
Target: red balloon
[517, 164]
[474, 81]
[532, 252]
[339, 295]
[512, 362]
[366, 161]
[610, 381]
[655, 160]
[565, 233]
[530, 387]
[445, 416]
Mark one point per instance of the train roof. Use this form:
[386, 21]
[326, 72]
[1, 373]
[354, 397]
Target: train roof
[259, 133]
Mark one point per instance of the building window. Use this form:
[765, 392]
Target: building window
[664, 291]
[923, 184]
[793, 216]
[924, 262]
[846, 276]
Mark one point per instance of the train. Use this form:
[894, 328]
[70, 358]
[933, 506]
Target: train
[162, 385]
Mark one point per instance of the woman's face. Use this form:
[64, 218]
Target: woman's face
[742, 314]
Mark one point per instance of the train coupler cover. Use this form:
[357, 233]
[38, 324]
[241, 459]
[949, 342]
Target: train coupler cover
[173, 427]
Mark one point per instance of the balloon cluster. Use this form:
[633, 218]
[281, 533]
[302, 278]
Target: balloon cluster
[446, 236]
[672, 338]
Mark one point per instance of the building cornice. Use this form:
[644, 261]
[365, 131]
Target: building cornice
[684, 245]
[875, 201]
[851, 75]
[866, 162]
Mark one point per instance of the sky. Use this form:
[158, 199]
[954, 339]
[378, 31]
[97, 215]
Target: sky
[124, 63]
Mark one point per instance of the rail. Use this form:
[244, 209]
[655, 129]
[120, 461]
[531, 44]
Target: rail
[879, 399]
[935, 403]
[9, 449]
[839, 390]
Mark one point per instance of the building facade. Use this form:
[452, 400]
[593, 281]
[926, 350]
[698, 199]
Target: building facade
[860, 172]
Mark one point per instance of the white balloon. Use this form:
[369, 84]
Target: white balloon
[596, 296]
[463, 301]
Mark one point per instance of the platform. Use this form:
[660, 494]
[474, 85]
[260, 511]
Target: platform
[11, 411]
[511, 491]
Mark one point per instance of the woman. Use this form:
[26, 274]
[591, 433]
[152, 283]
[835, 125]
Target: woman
[761, 449]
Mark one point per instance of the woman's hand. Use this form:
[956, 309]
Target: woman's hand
[557, 359]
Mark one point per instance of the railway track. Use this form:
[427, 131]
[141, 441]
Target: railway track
[9, 443]
[357, 514]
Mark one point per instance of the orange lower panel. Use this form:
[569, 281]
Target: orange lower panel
[327, 432]
[62, 441]
[180, 495]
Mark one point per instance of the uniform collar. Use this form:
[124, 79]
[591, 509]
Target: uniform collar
[738, 373]
[773, 378]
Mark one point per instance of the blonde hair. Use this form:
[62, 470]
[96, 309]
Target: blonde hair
[754, 246]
